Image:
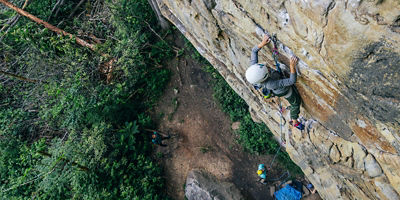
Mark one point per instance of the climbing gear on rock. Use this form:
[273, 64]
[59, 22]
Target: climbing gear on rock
[259, 172]
[257, 73]
[275, 53]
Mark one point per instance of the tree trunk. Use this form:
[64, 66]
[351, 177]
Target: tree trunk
[47, 25]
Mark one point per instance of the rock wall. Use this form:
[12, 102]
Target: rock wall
[349, 81]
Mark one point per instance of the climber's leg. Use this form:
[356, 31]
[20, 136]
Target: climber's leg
[295, 102]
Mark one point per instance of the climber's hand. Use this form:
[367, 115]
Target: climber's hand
[265, 40]
[293, 61]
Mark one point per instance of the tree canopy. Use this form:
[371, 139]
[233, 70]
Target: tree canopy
[71, 125]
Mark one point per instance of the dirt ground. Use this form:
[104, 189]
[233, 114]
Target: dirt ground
[202, 137]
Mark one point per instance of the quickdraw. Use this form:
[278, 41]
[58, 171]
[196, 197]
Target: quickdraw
[275, 53]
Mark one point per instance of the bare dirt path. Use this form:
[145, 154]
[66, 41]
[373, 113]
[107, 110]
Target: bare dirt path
[202, 136]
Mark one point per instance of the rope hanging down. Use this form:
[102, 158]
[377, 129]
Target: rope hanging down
[275, 55]
[281, 132]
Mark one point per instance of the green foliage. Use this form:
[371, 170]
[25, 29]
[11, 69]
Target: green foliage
[72, 135]
[256, 138]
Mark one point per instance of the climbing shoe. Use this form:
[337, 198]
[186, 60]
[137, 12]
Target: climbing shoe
[298, 125]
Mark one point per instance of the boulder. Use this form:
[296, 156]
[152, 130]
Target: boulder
[201, 185]
[235, 125]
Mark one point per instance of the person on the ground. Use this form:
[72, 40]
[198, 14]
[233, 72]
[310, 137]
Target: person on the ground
[157, 138]
[311, 188]
[262, 173]
[263, 77]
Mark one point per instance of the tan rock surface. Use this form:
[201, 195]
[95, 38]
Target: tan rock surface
[349, 81]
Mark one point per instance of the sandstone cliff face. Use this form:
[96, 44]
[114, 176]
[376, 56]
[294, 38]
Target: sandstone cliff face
[349, 81]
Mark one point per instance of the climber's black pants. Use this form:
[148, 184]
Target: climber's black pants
[295, 102]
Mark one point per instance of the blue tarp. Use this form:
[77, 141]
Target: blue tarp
[287, 193]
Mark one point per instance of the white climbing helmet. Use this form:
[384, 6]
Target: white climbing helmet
[257, 73]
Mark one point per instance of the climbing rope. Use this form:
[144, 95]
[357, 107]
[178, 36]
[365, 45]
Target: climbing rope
[283, 175]
[275, 55]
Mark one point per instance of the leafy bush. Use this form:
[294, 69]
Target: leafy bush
[72, 135]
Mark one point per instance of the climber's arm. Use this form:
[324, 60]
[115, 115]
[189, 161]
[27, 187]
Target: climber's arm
[254, 51]
[254, 55]
[287, 81]
[293, 63]
[264, 42]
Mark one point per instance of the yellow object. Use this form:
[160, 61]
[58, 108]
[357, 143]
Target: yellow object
[267, 96]
[259, 172]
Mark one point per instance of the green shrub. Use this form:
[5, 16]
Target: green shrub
[72, 135]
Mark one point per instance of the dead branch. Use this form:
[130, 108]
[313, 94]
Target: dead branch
[76, 8]
[47, 25]
[32, 180]
[73, 163]
[107, 69]
[94, 38]
[56, 6]
[58, 31]
[13, 21]
[18, 77]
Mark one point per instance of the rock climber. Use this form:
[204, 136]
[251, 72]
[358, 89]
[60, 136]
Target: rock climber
[157, 138]
[262, 173]
[267, 79]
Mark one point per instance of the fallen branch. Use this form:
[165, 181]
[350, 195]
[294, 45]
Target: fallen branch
[62, 32]
[47, 25]
[18, 77]
[43, 153]
[30, 181]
